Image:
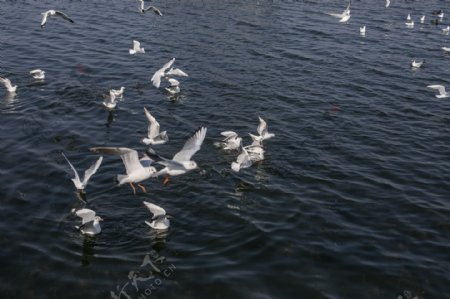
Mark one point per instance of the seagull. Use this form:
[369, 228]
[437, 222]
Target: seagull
[160, 219]
[38, 74]
[81, 185]
[446, 49]
[231, 142]
[345, 18]
[242, 161]
[408, 18]
[90, 224]
[138, 170]
[118, 93]
[143, 9]
[409, 23]
[262, 131]
[416, 63]
[136, 48]
[156, 79]
[439, 13]
[181, 162]
[362, 30]
[52, 12]
[442, 93]
[346, 12]
[388, 2]
[422, 19]
[446, 30]
[111, 101]
[7, 83]
[174, 86]
[154, 137]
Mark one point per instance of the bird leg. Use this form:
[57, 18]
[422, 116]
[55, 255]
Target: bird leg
[134, 188]
[142, 188]
[166, 180]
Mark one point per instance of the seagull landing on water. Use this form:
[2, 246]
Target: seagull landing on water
[442, 93]
[181, 162]
[138, 170]
[446, 30]
[81, 185]
[118, 93]
[90, 224]
[38, 74]
[160, 219]
[136, 48]
[7, 83]
[231, 142]
[262, 131]
[362, 30]
[52, 12]
[416, 63]
[166, 71]
[154, 137]
[142, 8]
[110, 102]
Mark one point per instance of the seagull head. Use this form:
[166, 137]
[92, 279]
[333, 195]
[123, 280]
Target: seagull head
[190, 165]
[98, 218]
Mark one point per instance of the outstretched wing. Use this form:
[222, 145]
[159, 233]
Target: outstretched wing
[129, 156]
[91, 170]
[156, 79]
[155, 10]
[64, 16]
[177, 72]
[191, 146]
[440, 88]
[153, 126]
[76, 178]
[6, 82]
[86, 215]
[262, 127]
[156, 210]
[136, 45]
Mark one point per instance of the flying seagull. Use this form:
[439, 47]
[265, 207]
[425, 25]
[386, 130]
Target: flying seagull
[416, 63]
[136, 48]
[52, 12]
[137, 170]
[165, 72]
[160, 219]
[422, 19]
[442, 93]
[388, 2]
[181, 162]
[118, 93]
[7, 83]
[38, 74]
[345, 13]
[262, 131]
[90, 224]
[231, 142]
[152, 8]
[154, 137]
[81, 185]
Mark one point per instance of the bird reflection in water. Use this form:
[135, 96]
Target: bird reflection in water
[109, 119]
[88, 250]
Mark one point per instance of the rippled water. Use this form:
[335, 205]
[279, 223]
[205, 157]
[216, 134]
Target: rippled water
[351, 201]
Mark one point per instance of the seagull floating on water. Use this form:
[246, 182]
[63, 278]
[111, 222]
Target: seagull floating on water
[231, 142]
[118, 93]
[52, 12]
[154, 137]
[181, 162]
[160, 219]
[174, 87]
[137, 170]
[416, 63]
[38, 74]
[446, 30]
[442, 93]
[136, 48]
[152, 8]
[422, 19]
[362, 30]
[409, 22]
[90, 223]
[111, 101]
[166, 71]
[81, 185]
[7, 83]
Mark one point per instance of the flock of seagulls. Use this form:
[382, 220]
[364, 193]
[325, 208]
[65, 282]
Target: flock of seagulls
[415, 64]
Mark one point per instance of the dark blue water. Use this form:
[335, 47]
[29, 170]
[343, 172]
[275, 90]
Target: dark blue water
[350, 202]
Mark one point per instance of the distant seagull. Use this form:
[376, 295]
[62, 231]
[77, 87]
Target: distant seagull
[442, 93]
[118, 93]
[136, 48]
[111, 101]
[446, 30]
[143, 9]
[408, 18]
[388, 2]
[362, 30]
[181, 163]
[137, 170]
[446, 49]
[156, 79]
[154, 137]
[409, 22]
[38, 74]
[242, 161]
[346, 12]
[160, 219]
[231, 142]
[90, 224]
[81, 185]
[7, 83]
[262, 131]
[174, 87]
[422, 19]
[416, 63]
[52, 12]
[439, 13]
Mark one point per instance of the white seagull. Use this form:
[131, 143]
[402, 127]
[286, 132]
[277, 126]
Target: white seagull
[90, 224]
[262, 131]
[446, 49]
[160, 219]
[111, 101]
[346, 12]
[362, 30]
[118, 93]
[242, 161]
[442, 93]
[231, 142]
[174, 87]
[38, 74]
[446, 30]
[345, 18]
[388, 2]
[416, 63]
[154, 137]
[422, 19]
[156, 79]
[7, 83]
[81, 184]
[143, 9]
[137, 170]
[136, 48]
[181, 162]
[409, 22]
[52, 12]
